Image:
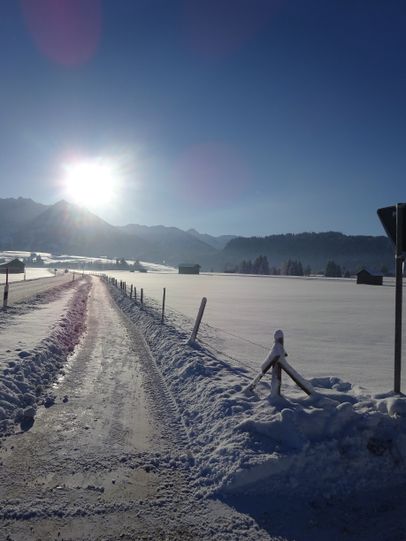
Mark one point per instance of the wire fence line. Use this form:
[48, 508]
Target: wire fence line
[207, 334]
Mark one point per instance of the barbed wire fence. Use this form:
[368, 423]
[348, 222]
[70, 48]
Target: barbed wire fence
[240, 350]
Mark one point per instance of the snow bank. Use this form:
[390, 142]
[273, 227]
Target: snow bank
[329, 443]
[28, 375]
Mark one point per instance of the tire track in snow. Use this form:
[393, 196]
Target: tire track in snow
[161, 399]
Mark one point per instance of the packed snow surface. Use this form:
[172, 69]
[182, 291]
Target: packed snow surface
[309, 468]
[31, 273]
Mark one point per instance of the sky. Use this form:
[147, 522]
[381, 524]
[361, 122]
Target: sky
[248, 117]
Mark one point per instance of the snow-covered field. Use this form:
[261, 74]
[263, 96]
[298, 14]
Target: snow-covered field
[30, 274]
[332, 327]
[150, 437]
[290, 461]
[78, 260]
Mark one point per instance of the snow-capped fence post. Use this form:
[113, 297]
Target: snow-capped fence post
[276, 360]
[5, 294]
[163, 304]
[199, 317]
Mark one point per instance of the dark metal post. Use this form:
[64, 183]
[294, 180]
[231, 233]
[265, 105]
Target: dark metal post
[399, 259]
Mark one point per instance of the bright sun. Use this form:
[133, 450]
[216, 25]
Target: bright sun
[90, 183]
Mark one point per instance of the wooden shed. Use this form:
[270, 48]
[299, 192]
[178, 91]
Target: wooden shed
[365, 276]
[15, 266]
[188, 268]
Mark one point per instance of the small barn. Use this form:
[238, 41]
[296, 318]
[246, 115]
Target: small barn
[188, 268]
[15, 266]
[365, 276]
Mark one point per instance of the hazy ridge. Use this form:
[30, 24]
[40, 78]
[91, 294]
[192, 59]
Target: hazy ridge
[69, 229]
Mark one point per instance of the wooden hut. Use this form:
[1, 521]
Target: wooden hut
[365, 276]
[187, 268]
[14, 266]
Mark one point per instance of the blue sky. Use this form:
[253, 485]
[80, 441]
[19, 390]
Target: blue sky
[250, 117]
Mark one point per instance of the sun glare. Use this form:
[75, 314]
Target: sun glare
[90, 183]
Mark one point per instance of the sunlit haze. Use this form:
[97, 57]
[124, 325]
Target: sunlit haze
[91, 184]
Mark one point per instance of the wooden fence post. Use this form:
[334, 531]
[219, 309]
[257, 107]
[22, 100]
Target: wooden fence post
[142, 296]
[135, 294]
[163, 304]
[199, 317]
[5, 295]
[131, 291]
[276, 381]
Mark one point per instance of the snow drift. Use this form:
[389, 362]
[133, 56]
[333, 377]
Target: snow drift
[25, 381]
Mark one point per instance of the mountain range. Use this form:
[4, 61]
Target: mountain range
[64, 228]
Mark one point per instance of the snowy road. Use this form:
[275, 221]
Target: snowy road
[110, 459]
[23, 290]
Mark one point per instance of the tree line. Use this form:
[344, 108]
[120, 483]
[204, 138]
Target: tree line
[291, 267]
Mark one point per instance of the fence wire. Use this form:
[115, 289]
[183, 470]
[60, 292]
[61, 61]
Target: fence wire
[240, 350]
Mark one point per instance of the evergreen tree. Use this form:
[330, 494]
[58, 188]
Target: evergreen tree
[333, 270]
[293, 268]
[307, 270]
[261, 265]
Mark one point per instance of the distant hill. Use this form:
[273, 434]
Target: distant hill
[171, 244]
[69, 229]
[215, 242]
[14, 213]
[314, 249]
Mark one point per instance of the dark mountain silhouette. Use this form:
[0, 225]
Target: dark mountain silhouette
[171, 244]
[216, 242]
[14, 213]
[314, 249]
[69, 229]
